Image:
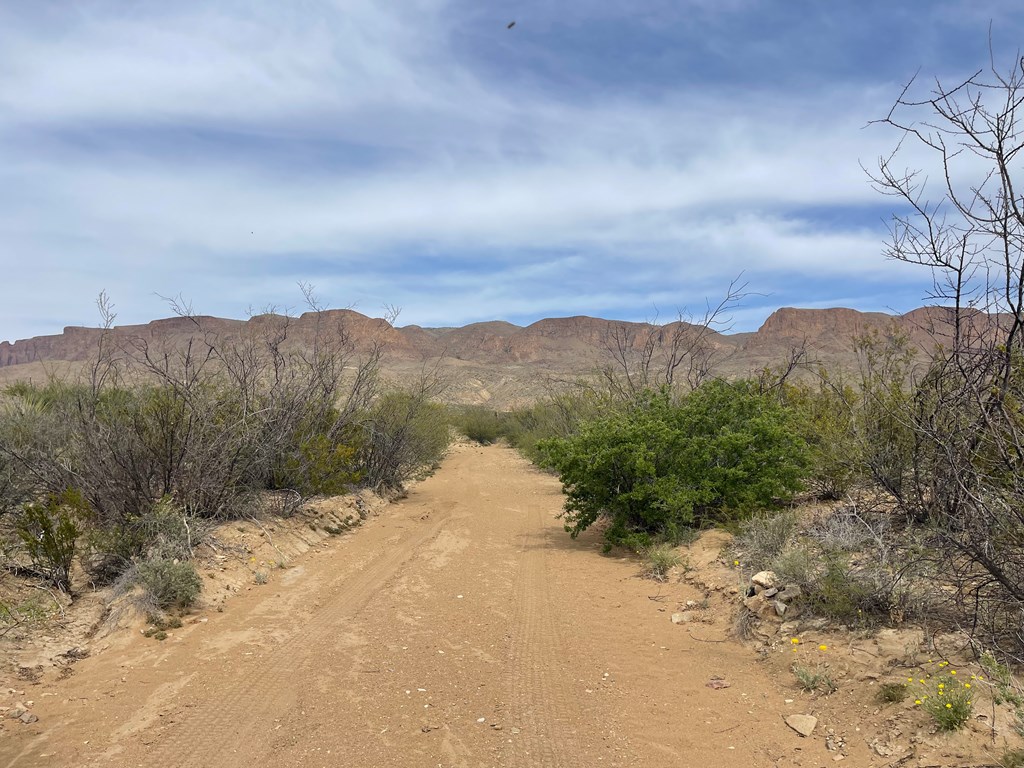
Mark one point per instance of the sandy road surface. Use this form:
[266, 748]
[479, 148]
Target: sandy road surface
[462, 627]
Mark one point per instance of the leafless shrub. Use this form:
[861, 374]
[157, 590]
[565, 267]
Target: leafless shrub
[964, 416]
[764, 537]
[653, 355]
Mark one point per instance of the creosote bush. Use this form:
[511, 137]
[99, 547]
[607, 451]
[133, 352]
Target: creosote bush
[49, 533]
[664, 464]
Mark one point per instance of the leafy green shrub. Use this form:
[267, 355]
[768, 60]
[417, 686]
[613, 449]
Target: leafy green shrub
[720, 454]
[320, 466]
[826, 417]
[481, 425]
[171, 584]
[49, 534]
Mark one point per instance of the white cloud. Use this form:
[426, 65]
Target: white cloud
[682, 191]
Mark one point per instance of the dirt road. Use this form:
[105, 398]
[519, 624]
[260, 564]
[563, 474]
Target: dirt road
[461, 627]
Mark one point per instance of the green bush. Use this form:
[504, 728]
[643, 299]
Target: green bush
[721, 453]
[481, 425]
[403, 433]
[49, 534]
[320, 466]
[163, 530]
[826, 415]
[170, 583]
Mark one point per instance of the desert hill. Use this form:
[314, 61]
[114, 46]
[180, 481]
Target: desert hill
[494, 362]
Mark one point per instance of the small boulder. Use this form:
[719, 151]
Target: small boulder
[28, 718]
[765, 579]
[682, 618]
[790, 593]
[802, 724]
[780, 607]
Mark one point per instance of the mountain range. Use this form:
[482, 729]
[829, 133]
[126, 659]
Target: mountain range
[495, 362]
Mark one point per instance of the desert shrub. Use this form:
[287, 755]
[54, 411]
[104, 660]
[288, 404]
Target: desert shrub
[481, 425]
[659, 560]
[948, 700]
[164, 531]
[402, 433]
[826, 414]
[892, 693]
[170, 584]
[764, 537]
[812, 680]
[49, 532]
[319, 465]
[843, 530]
[869, 593]
[798, 566]
[719, 454]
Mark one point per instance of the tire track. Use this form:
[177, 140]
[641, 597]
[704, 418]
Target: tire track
[541, 695]
[219, 728]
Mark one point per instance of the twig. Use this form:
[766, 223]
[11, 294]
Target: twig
[703, 640]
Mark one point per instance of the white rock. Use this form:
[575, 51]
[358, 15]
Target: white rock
[766, 579]
[802, 724]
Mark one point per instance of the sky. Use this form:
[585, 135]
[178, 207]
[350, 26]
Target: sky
[621, 160]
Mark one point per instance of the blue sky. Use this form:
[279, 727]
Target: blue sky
[602, 158]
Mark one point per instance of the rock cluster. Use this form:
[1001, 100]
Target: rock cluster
[20, 711]
[768, 597]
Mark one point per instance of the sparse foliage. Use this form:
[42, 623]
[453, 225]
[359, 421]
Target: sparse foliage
[965, 223]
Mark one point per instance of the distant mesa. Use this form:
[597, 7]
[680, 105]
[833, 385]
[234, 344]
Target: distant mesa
[564, 346]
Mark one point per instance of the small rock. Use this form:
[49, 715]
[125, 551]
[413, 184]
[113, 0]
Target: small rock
[802, 724]
[766, 579]
[682, 618]
[882, 750]
[780, 607]
[28, 718]
[771, 592]
[15, 713]
[790, 593]
[790, 627]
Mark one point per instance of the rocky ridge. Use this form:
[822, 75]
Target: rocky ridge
[504, 360]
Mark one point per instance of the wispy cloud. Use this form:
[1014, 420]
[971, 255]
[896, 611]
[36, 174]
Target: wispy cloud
[599, 161]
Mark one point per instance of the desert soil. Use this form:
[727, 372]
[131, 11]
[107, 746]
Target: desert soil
[460, 627]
